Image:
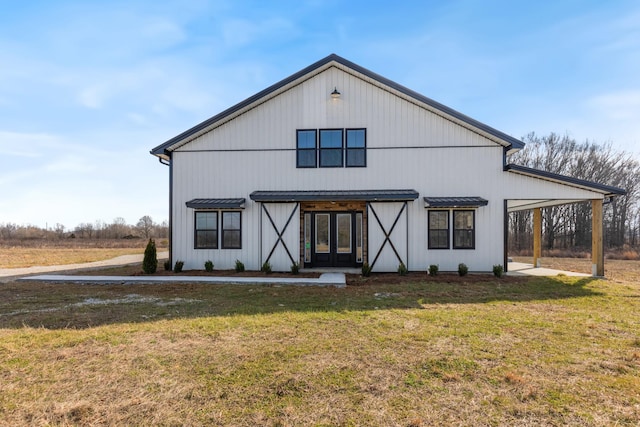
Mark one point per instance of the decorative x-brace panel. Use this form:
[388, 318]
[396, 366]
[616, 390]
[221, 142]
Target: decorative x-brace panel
[280, 233]
[387, 235]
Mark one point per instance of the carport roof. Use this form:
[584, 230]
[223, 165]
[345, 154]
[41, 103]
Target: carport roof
[607, 190]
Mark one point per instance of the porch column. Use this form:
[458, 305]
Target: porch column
[597, 245]
[537, 236]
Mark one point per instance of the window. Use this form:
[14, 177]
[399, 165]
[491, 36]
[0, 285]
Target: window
[231, 230]
[206, 230]
[438, 229]
[464, 230]
[306, 149]
[206, 233]
[330, 148]
[356, 148]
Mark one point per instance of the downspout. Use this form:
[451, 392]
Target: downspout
[170, 164]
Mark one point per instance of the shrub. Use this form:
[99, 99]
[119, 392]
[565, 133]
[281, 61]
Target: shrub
[178, 267]
[239, 266]
[208, 266]
[366, 269]
[266, 267]
[295, 268]
[167, 265]
[150, 261]
[498, 270]
[402, 269]
[433, 270]
[463, 269]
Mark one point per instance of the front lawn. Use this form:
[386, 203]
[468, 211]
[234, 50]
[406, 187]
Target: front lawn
[539, 351]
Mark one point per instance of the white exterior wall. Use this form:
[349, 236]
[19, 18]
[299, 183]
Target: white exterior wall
[408, 147]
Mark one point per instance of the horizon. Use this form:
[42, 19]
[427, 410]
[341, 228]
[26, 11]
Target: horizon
[87, 89]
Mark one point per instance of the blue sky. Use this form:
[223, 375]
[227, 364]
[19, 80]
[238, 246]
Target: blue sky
[87, 88]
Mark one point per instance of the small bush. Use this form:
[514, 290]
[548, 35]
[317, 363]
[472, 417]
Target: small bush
[295, 268]
[266, 267]
[433, 270]
[167, 265]
[178, 267]
[402, 269]
[239, 266]
[208, 266]
[463, 269]
[498, 270]
[366, 270]
[150, 261]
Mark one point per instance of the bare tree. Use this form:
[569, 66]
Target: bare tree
[145, 226]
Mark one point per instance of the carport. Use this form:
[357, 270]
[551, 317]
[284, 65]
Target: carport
[559, 190]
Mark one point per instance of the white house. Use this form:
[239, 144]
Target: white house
[336, 166]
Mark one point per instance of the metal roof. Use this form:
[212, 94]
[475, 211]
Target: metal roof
[511, 142]
[454, 202]
[607, 190]
[216, 203]
[331, 196]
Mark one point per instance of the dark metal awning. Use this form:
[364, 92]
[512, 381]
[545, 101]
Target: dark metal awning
[216, 203]
[331, 196]
[454, 202]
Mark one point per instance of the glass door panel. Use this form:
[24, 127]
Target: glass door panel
[343, 233]
[322, 234]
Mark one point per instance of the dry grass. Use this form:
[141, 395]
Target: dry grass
[28, 253]
[539, 351]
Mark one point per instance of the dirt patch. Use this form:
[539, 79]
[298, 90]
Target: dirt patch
[413, 277]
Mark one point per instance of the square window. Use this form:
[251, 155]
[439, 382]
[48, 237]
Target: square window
[331, 148]
[356, 148]
[464, 230]
[206, 230]
[438, 230]
[306, 149]
[231, 230]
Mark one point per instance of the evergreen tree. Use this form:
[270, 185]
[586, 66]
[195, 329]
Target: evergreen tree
[150, 262]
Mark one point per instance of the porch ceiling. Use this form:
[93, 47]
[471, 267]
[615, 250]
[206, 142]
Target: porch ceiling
[523, 205]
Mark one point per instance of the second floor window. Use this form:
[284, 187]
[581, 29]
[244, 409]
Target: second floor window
[331, 148]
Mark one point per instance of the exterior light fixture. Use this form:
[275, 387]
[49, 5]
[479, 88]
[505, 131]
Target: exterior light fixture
[335, 94]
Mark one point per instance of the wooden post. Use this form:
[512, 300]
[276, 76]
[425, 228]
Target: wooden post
[597, 245]
[537, 236]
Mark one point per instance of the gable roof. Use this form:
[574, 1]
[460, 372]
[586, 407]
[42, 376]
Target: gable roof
[510, 142]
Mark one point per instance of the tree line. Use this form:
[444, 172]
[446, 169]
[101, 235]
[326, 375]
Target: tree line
[569, 226]
[117, 229]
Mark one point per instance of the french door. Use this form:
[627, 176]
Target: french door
[333, 239]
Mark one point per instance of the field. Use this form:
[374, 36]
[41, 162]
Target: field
[27, 253]
[484, 351]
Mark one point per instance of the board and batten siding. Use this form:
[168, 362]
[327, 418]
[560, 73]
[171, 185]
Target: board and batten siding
[408, 147]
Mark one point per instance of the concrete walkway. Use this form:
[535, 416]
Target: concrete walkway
[522, 269]
[337, 280]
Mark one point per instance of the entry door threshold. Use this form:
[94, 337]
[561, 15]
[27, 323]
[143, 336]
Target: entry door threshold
[345, 270]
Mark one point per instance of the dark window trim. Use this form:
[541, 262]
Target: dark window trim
[473, 228]
[332, 149]
[314, 149]
[448, 229]
[346, 148]
[222, 229]
[195, 229]
[219, 243]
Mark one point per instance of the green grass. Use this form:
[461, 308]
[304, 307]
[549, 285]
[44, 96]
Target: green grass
[541, 351]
